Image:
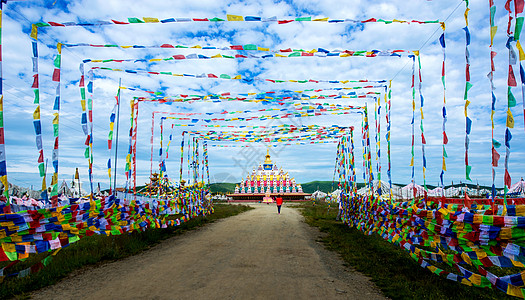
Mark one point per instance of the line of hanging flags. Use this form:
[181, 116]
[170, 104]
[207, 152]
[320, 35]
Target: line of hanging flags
[468, 86]
[247, 47]
[269, 144]
[56, 123]
[495, 144]
[283, 94]
[443, 114]
[311, 53]
[229, 18]
[37, 124]
[49, 229]
[226, 76]
[476, 239]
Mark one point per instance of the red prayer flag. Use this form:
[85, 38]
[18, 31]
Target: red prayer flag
[56, 24]
[35, 82]
[56, 75]
[495, 157]
[507, 178]
[119, 22]
[511, 79]
[518, 5]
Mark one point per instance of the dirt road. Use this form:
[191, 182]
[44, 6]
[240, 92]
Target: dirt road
[256, 255]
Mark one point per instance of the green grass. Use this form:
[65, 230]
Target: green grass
[391, 268]
[100, 249]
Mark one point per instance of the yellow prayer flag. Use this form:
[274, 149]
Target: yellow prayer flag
[55, 119]
[344, 81]
[514, 291]
[217, 56]
[196, 47]
[59, 48]
[510, 119]
[234, 18]
[155, 59]
[493, 31]
[280, 55]
[8, 247]
[34, 31]
[444, 167]
[125, 47]
[150, 20]
[517, 263]
[237, 77]
[263, 49]
[321, 20]
[466, 15]
[442, 25]
[36, 114]
[412, 162]
[520, 50]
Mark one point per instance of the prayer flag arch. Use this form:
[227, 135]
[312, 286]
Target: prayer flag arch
[430, 229]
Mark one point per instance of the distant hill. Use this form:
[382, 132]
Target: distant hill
[222, 187]
[324, 186]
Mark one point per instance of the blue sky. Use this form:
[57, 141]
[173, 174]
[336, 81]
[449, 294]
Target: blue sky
[306, 163]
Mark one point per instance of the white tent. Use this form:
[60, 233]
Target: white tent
[452, 192]
[518, 187]
[334, 196]
[318, 195]
[437, 192]
[408, 191]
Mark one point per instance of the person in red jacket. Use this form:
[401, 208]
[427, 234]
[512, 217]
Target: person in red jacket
[279, 202]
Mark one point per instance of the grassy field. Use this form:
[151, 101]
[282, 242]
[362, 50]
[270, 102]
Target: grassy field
[100, 249]
[391, 268]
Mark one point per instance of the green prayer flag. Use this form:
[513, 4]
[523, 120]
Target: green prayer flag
[225, 76]
[467, 172]
[86, 152]
[135, 20]
[492, 13]
[41, 169]
[468, 85]
[42, 24]
[57, 61]
[216, 19]
[294, 54]
[517, 30]
[511, 99]
[304, 19]
[250, 47]
[37, 96]
[496, 143]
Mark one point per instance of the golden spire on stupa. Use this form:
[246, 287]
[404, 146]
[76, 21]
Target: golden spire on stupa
[268, 160]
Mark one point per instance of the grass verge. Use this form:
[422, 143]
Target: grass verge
[100, 249]
[390, 267]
